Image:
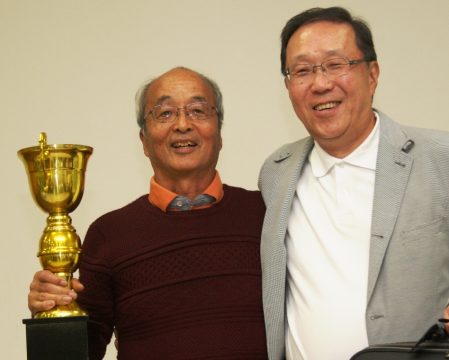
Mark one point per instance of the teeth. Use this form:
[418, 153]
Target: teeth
[326, 106]
[183, 144]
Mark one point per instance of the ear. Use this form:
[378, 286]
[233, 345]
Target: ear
[286, 82]
[374, 72]
[143, 139]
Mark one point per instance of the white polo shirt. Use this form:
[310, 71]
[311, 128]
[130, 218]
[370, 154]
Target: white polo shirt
[328, 251]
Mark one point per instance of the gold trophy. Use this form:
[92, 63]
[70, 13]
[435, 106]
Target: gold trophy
[56, 179]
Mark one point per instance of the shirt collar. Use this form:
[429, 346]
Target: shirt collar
[161, 197]
[365, 155]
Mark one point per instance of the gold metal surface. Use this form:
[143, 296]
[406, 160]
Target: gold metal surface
[56, 177]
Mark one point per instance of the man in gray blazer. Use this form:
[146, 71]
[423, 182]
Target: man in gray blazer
[355, 245]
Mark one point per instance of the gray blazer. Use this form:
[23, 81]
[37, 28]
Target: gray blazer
[408, 281]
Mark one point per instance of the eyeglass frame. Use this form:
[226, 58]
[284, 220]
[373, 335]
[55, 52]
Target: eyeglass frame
[178, 110]
[350, 63]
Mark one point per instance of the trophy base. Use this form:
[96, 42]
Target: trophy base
[55, 339]
[62, 311]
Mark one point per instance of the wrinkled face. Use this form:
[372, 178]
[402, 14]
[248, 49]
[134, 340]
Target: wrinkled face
[183, 147]
[337, 112]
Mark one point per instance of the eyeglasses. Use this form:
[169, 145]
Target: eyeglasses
[194, 111]
[302, 73]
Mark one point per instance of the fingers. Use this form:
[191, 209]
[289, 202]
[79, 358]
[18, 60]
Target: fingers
[48, 290]
[77, 286]
[45, 277]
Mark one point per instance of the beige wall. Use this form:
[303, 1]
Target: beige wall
[71, 68]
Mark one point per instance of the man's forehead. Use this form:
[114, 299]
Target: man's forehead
[323, 37]
[317, 27]
[326, 31]
[179, 83]
[179, 76]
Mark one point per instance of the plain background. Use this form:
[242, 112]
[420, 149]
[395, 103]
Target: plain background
[71, 69]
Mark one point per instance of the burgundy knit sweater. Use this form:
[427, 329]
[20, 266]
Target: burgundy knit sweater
[177, 285]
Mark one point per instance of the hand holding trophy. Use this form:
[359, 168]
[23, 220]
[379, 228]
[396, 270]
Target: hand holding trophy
[56, 177]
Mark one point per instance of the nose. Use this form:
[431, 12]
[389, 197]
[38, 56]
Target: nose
[321, 81]
[182, 122]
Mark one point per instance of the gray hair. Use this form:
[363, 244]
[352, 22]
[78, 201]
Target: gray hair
[142, 92]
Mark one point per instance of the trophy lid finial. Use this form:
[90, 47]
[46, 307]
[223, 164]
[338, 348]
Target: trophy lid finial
[42, 140]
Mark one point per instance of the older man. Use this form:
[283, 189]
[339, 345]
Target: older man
[355, 245]
[175, 273]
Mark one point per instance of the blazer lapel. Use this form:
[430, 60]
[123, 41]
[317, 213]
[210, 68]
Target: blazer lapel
[287, 166]
[290, 167]
[392, 174]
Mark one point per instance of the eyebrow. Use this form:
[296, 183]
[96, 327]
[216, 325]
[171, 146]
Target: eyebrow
[199, 98]
[165, 98]
[304, 57]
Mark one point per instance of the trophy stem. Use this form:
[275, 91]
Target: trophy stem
[67, 276]
[59, 252]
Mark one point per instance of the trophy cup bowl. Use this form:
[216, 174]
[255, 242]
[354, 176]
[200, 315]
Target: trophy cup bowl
[56, 177]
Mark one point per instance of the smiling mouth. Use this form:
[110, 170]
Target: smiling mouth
[183, 144]
[326, 106]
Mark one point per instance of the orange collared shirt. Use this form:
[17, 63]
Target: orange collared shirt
[162, 197]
